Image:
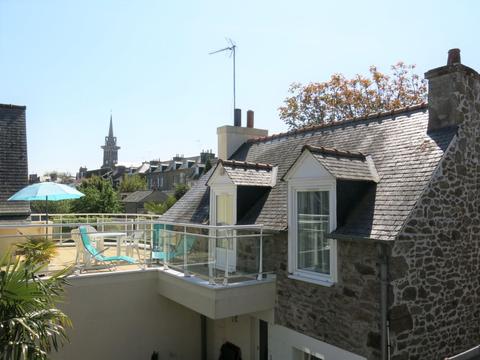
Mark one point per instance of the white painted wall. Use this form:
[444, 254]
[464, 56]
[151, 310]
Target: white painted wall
[286, 344]
[121, 316]
[239, 330]
[230, 138]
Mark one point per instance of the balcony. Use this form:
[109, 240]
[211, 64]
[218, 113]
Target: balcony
[216, 271]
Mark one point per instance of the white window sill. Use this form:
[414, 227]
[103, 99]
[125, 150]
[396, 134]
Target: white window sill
[317, 281]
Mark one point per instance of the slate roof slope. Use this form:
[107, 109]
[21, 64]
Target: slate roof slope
[145, 195]
[137, 196]
[345, 165]
[193, 207]
[13, 160]
[249, 174]
[405, 157]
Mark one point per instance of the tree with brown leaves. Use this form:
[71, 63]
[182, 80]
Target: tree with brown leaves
[340, 98]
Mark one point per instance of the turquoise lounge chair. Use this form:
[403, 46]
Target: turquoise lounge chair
[177, 251]
[97, 255]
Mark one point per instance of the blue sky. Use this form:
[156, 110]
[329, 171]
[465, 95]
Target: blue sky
[71, 62]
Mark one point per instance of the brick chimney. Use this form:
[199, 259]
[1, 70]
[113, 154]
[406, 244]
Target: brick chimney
[230, 138]
[447, 85]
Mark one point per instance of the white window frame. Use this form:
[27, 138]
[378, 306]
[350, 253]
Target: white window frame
[220, 189]
[299, 185]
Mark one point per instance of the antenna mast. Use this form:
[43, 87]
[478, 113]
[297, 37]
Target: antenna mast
[230, 48]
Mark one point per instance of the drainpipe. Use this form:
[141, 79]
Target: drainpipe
[203, 337]
[385, 341]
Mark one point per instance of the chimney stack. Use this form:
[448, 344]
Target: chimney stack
[453, 57]
[237, 118]
[230, 138]
[250, 119]
[447, 86]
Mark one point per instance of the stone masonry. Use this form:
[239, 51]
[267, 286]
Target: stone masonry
[344, 315]
[435, 269]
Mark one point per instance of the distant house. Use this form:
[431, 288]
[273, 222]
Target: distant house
[374, 224]
[165, 175]
[13, 163]
[33, 178]
[135, 201]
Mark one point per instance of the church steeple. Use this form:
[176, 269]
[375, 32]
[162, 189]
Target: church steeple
[110, 149]
[110, 130]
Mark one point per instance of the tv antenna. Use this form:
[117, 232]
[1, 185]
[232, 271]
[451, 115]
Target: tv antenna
[230, 48]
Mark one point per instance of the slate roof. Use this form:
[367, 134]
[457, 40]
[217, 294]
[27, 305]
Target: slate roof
[405, 157]
[13, 160]
[345, 165]
[245, 173]
[144, 196]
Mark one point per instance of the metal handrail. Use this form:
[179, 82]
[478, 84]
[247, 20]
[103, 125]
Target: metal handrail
[159, 222]
[210, 233]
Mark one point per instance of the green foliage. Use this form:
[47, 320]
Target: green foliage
[180, 190]
[54, 207]
[100, 197]
[30, 324]
[131, 183]
[208, 165]
[37, 250]
[160, 208]
[340, 98]
[171, 200]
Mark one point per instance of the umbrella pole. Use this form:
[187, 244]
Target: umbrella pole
[46, 213]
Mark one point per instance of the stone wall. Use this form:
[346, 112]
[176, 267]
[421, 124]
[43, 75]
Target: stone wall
[345, 315]
[435, 270]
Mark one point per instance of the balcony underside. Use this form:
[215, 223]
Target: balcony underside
[217, 301]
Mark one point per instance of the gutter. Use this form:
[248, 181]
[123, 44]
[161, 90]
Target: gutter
[338, 236]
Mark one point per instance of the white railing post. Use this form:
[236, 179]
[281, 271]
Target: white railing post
[144, 248]
[166, 252]
[185, 259]
[211, 255]
[150, 226]
[61, 229]
[229, 238]
[260, 260]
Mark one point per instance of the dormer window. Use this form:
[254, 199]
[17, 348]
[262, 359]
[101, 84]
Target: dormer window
[234, 187]
[312, 209]
[245, 180]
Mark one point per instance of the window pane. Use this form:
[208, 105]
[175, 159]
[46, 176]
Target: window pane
[224, 204]
[313, 225]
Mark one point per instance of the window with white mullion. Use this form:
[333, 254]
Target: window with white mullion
[313, 225]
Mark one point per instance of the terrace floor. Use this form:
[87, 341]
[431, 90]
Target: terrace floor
[67, 253]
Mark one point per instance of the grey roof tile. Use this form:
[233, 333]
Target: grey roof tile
[404, 155]
[249, 174]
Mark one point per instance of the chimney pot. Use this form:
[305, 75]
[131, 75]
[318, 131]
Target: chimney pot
[250, 119]
[453, 57]
[237, 119]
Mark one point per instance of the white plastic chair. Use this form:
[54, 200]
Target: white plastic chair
[82, 256]
[133, 243]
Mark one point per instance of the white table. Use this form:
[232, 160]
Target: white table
[100, 236]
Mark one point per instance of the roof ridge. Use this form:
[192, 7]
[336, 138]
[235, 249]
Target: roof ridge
[11, 106]
[370, 116]
[334, 151]
[246, 164]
